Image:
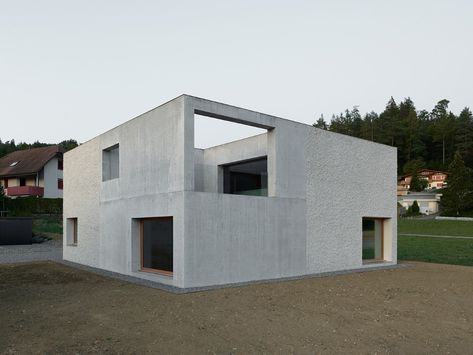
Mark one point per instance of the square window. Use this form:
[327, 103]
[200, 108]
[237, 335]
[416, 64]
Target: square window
[111, 163]
[249, 177]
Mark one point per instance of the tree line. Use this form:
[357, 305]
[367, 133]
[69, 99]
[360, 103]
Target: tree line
[10, 146]
[424, 139]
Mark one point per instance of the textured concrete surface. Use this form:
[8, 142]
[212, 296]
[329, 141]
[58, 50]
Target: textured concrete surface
[50, 250]
[347, 179]
[320, 186]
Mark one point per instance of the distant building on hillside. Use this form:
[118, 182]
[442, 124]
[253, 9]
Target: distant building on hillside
[32, 172]
[428, 202]
[435, 180]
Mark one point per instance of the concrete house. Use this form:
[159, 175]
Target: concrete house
[33, 172]
[141, 200]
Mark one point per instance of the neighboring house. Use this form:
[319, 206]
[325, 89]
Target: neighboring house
[141, 200]
[428, 202]
[435, 180]
[33, 172]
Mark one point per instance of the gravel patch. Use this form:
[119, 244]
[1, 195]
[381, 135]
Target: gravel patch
[50, 250]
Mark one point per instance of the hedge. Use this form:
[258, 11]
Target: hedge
[28, 206]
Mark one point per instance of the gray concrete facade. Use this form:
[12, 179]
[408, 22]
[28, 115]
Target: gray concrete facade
[320, 186]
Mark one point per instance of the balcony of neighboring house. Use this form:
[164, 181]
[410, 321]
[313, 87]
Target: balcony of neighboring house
[17, 191]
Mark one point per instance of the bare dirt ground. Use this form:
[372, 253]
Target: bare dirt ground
[51, 308]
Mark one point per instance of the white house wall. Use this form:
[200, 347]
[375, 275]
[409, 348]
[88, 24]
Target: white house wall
[347, 179]
[51, 174]
[232, 238]
[82, 179]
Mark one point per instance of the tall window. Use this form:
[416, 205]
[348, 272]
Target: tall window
[60, 184]
[156, 239]
[60, 165]
[373, 239]
[111, 163]
[71, 231]
[246, 178]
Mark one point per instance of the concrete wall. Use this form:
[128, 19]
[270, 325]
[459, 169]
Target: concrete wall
[231, 238]
[347, 179]
[150, 184]
[208, 160]
[82, 178]
[320, 185]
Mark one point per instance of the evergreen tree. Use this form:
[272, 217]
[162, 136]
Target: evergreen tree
[321, 123]
[389, 120]
[413, 166]
[443, 126]
[458, 195]
[415, 208]
[464, 135]
[417, 183]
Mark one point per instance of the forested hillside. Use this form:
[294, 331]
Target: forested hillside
[423, 138]
[11, 146]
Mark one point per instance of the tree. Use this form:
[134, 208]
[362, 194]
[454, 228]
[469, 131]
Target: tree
[443, 125]
[413, 166]
[369, 125]
[389, 120]
[2, 198]
[458, 195]
[68, 144]
[417, 183]
[415, 208]
[464, 135]
[321, 123]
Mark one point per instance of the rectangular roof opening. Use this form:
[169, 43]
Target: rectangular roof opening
[211, 132]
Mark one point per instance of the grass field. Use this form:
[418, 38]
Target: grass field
[435, 227]
[51, 226]
[436, 250]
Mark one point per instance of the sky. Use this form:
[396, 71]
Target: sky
[75, 69]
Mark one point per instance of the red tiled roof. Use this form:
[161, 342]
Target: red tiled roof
[430, 171]
[29, 161]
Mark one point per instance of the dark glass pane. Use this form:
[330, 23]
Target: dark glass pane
[157, 244]
[372, 239]
[246, 178]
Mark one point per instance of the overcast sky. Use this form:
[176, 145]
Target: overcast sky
[74, 69]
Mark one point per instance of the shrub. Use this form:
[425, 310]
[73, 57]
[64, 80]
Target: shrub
[28, 206]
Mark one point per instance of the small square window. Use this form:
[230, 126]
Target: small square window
[111, 163]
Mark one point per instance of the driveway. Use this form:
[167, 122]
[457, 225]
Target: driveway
[50, 250]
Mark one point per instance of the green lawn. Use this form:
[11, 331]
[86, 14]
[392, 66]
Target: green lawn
[435, 227]
[51, 226]
[436, 250]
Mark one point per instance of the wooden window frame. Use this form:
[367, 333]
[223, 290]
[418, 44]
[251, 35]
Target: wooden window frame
[142, 267]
